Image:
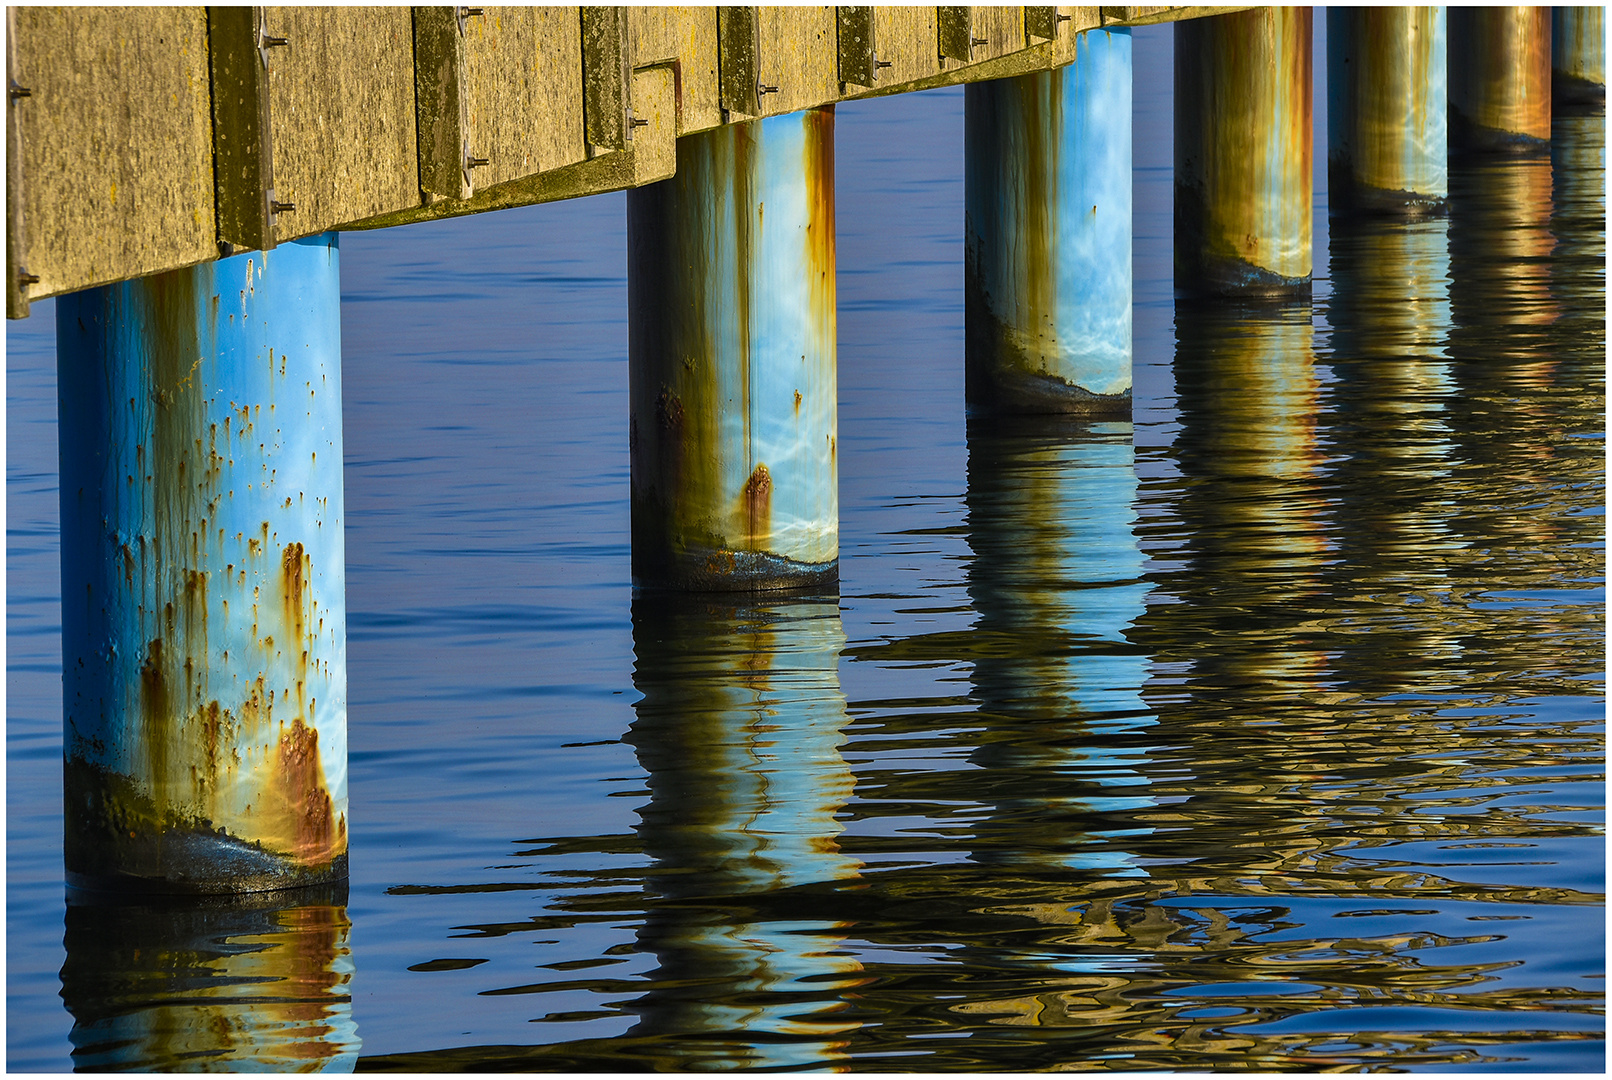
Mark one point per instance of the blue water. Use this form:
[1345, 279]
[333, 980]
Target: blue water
[1265, 732]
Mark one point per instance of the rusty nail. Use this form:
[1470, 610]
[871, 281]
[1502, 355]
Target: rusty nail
[274, 42]
[1064, 18]
[20, 92]
[760, 89]
[980, 41]
[881, 63]
[26, 278]
[283, 207]
[635, 122]
[475, 162]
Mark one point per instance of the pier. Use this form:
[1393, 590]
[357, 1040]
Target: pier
[181, 185]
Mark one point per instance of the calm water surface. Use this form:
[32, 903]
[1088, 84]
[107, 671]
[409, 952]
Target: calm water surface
[1264, 733]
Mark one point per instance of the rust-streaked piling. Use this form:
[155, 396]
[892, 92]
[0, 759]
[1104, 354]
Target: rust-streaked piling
[203, 607]
[1578, 55]
[1243, 145]
[1500, 79]
[1048, 235]
[731, 331]
[1387, 110]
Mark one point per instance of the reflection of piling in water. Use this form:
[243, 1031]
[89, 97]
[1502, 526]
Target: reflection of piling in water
[1048, 246]
[1499, 78]
[1251, 516]
[1527, 297]
[259, 982]
[1578, 56]
[739, 730]
[1500, 247]
[731, 318]
[1242, 153]
[1057, 581]
[1578, 188]
[1390, 461]
[204, 615]
[1387, 108]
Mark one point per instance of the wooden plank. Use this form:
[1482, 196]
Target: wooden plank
[857, 60]
[652, 157]
[525, 91]
[606, 81]
[441, 102]
[1001, 29]
[1041, 23]
[800, 56]
[684, 39]
[954, 33]
[114, 143]
[240, 54]
[906, 39]
[18, 279]
[341, 99]
[738, 61]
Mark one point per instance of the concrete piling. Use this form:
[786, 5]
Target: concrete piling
[1500, 79]
[203, 607]
[731, 331]
[1387, 109]
[1243, 149]
[1578, 55]
[1048, 235]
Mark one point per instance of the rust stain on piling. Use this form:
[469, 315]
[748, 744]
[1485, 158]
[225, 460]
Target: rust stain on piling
[757, 506]
[298, 813]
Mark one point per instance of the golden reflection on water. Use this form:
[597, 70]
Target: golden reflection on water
[257, 983]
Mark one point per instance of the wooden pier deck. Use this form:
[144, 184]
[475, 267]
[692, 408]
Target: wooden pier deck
[141, 140]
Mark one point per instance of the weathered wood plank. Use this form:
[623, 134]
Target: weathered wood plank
[341, 98]
[800, 56]
[652, 156]
[18, 279]
[906, 39]
[442, 102]
[525, 79]
[1002, 30]
[606, 79]
[683, 38]
[115, 143]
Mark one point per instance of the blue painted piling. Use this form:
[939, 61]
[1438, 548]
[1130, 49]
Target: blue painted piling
[1387, 106]
[203, 607]
[1048, 235]
[1243, 146]
[1578, 55]
[731, 344]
